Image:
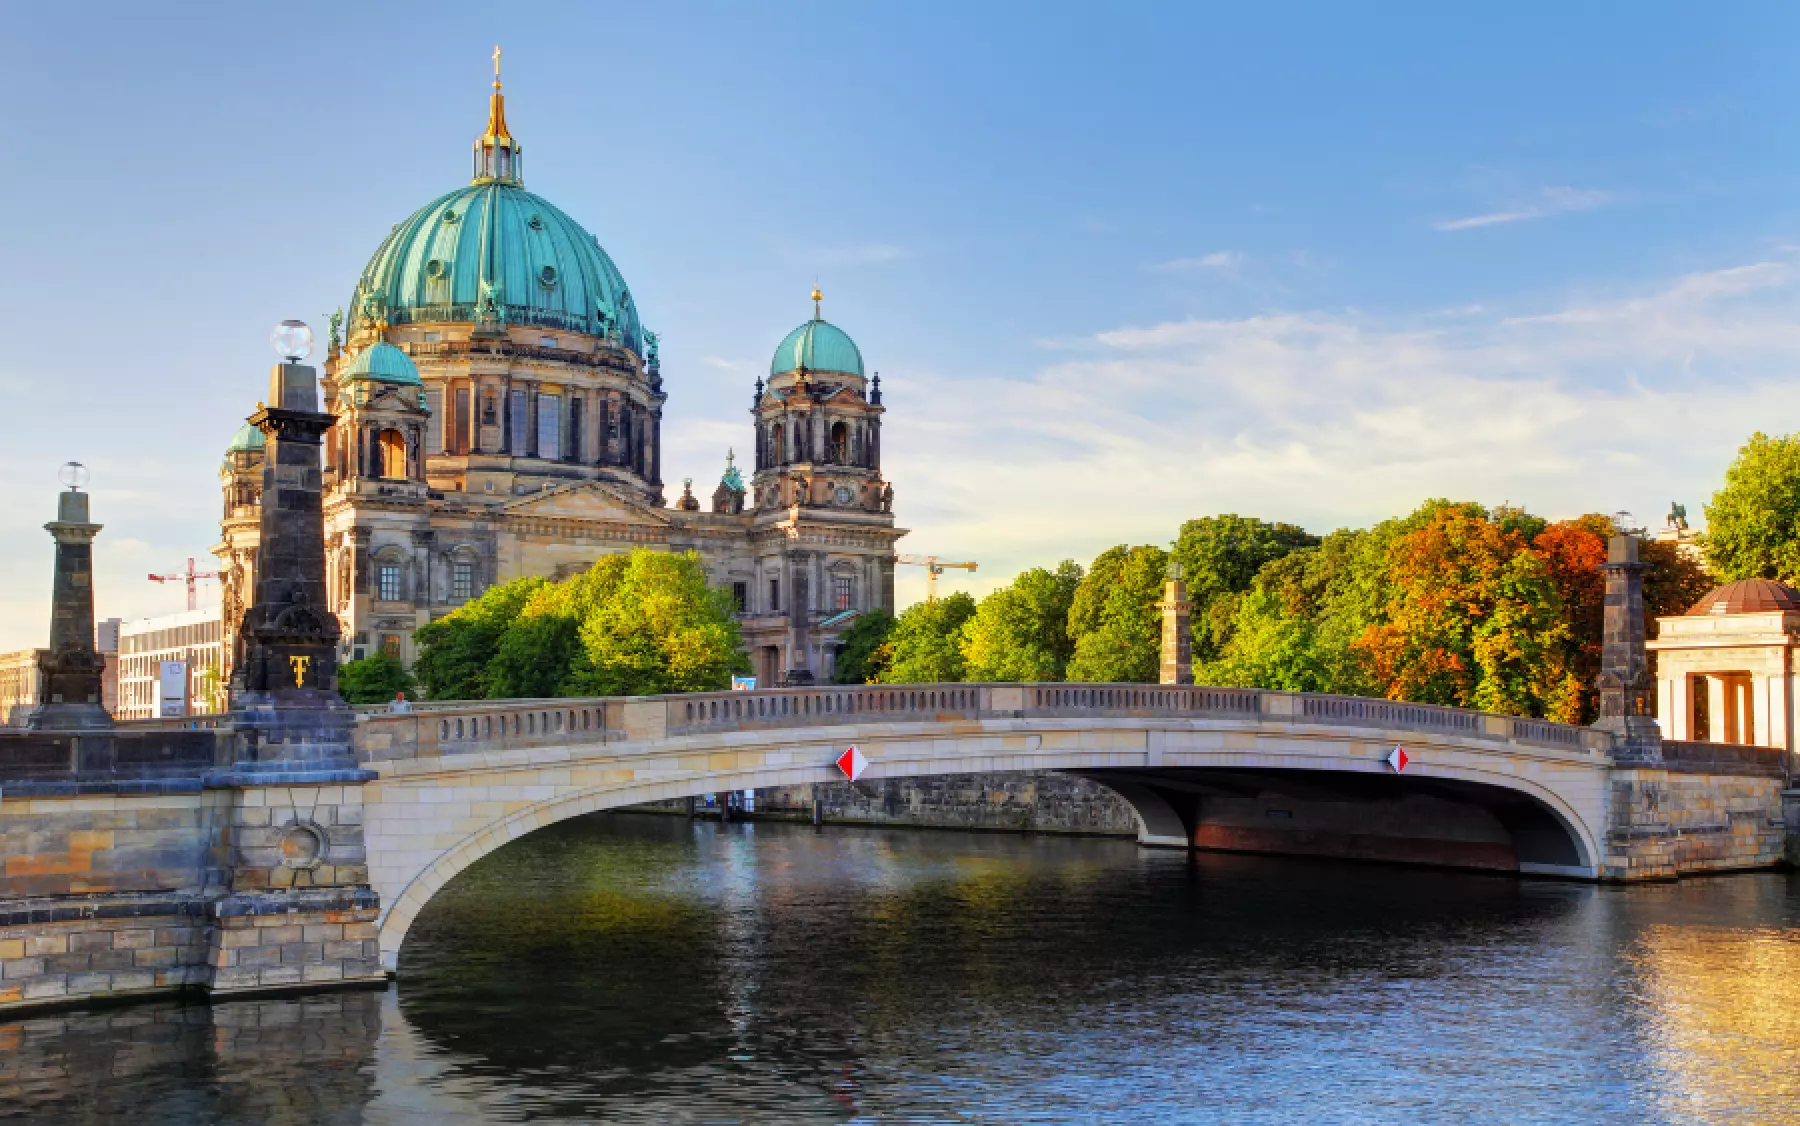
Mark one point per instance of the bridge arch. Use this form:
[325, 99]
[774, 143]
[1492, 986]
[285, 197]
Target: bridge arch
[410, 870]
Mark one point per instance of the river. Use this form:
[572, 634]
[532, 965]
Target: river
[634, 968]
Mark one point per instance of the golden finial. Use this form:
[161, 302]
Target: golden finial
[817, 297]
[496, 127]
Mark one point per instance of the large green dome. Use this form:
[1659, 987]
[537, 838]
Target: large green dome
[817, 345]
[547, 270]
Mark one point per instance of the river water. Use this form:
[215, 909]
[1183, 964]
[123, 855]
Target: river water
[644, 969]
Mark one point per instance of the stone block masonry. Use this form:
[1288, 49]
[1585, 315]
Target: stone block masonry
[1034, 801]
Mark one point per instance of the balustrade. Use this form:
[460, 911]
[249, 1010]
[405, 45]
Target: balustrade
[458, 727]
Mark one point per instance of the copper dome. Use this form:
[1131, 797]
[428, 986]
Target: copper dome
[1748, 596]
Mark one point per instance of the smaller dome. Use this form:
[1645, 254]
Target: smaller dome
[381, 362]
[1748, 596]
[248, 440]
[818, 346]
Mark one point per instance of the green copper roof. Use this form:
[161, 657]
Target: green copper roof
[495, 243]
[248, 439]
[817, 346]
[381, 362]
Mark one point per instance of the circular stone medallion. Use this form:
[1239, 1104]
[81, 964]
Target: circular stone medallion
[302, 845]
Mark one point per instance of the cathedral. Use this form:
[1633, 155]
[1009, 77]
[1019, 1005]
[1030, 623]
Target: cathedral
[499, 409]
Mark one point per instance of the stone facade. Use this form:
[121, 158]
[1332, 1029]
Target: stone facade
[1032, 801]
[476, 442]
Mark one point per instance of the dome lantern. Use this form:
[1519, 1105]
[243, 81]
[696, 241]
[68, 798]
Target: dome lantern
[496, 153]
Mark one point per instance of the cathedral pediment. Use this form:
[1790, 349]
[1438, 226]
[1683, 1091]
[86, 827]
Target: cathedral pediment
[587, 500]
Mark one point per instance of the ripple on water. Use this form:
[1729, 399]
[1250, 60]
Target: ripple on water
[632, 968]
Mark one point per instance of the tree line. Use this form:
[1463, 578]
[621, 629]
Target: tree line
[1454, 603]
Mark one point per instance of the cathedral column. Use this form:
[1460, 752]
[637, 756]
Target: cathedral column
[531, 419]
[506, 409]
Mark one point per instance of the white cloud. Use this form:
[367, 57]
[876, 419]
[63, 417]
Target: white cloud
[1333, 420]
[1547, 202]
[1217, 260]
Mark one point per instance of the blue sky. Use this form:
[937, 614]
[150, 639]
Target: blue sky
[1119, 266]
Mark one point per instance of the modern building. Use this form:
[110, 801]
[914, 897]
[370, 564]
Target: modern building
[192, 639]
[499, 409]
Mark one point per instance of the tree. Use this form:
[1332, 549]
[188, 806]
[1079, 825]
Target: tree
[1473, 620]
[1271, 647]
[1221, 556]
[372, 680]
[455, 650]
[1573, 551]
[1296, 627]
[1753, 522]
[631, 625]
[658, 629]
[863, 652]
[926, 644]
[1673, 583]
[1021, 631]
[1113, 618]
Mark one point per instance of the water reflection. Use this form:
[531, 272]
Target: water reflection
[639, 969]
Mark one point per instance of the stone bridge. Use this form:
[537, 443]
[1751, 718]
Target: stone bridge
[1218, 767]
[148, 858]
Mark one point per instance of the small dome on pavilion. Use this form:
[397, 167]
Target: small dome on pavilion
[248, 440]
[1748, 596]
[381, 362]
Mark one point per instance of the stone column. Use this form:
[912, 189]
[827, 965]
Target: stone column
[71, 669]
[799, 666]
[285, 705]
[1626, 688]
[1177, 634]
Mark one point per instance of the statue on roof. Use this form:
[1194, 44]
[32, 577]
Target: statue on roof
[1678, 516]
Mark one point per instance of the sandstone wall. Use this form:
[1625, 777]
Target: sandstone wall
[1039, 801]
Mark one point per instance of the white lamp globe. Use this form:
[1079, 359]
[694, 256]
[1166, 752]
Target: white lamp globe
[73, 474]
[293, 341]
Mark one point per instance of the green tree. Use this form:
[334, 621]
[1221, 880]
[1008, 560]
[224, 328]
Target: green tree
[1221, 556]
[631, 625]
[372, 680]
[1753, 522]
[864, 652]
[926, 644]
[1113, 618]
[1021, 631]
[657, 628]
[455, 650]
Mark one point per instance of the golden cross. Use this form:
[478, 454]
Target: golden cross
[496, 66]
[300, 664]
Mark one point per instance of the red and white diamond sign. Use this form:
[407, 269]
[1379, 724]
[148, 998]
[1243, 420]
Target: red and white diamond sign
[852, 763]
[1397, 759]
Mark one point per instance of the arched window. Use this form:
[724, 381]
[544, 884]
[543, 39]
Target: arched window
[840, 444]
[393, 455]
[778, 447]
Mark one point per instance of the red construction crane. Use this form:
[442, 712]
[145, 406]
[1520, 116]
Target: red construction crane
[192, 577]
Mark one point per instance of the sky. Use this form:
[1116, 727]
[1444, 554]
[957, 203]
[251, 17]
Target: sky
[1119, 266]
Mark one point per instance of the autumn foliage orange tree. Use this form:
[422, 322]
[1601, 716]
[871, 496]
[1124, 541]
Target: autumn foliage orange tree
[1474, 620]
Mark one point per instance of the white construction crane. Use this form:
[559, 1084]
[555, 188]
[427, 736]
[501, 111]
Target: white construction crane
[933, 568]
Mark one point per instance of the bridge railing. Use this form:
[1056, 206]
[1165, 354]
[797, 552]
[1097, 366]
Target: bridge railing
[487, 725]
[461, 727]
[813, 707]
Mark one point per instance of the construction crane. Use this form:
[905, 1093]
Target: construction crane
[191, 577]
[933, 568]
